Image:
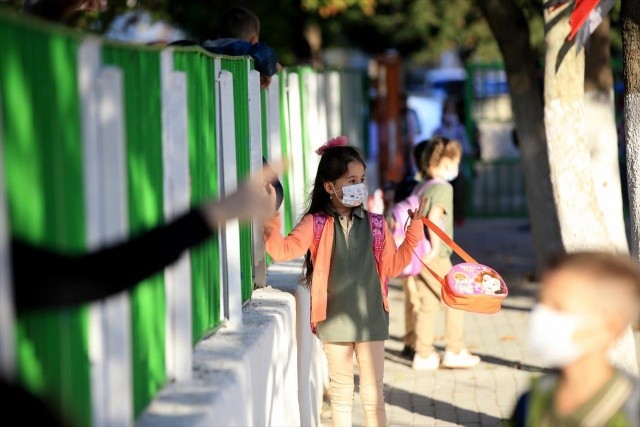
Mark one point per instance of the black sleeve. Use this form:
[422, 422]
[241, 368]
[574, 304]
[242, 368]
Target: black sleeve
[21, 404]
[277, 185]
[44, 278]
[519, 416]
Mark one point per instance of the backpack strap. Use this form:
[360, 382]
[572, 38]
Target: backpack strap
[377, 222]
[615, 398]
[319, 219]
[420, 188]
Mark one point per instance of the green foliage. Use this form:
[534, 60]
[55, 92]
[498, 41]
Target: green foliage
[419, 29]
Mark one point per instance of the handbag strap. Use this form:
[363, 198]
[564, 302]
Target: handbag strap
[453, 245]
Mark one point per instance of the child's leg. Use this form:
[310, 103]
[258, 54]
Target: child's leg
[411, 298]
[429, 291]
[340, 361]
[454, 319]
[454, 329]
[370, 356]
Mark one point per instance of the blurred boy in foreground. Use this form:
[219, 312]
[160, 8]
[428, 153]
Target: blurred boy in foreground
[586, 301]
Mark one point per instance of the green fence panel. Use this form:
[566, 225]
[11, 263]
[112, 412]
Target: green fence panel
[203, 167]
[497, 189]
[239, 67]
[309, 175]
[265, 144]
[286, 175]
[43, 155]
[263, 119]
[143, 135]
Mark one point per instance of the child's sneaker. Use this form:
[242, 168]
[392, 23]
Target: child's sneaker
[428, 363]
[408, 352]
[461, 359]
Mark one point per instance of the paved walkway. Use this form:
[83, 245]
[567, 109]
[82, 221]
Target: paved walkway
[485, 394]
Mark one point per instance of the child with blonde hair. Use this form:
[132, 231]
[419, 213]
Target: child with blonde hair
[586, 301]
[349, 255]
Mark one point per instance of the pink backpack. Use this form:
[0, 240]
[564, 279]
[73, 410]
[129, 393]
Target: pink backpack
[400, 223]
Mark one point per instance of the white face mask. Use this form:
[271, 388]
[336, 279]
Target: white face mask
[551, 336]
[353, 195]
[450, 176]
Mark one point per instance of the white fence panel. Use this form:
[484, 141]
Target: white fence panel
[256, 158]
[175, 162]
[231, 285]
[298, 184]
[7, 312]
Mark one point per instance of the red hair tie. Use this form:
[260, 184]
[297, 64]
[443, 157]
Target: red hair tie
[333, 142]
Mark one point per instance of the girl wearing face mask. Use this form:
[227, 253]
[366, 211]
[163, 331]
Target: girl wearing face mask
[439, 162]
[348, 282]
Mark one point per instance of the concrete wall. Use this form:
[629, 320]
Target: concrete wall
[269, 371]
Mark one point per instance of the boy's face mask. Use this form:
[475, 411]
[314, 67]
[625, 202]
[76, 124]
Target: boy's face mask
[552, 336]
[448, 173]
[352, 195]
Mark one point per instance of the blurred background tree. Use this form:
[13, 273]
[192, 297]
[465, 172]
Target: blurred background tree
[420, 30]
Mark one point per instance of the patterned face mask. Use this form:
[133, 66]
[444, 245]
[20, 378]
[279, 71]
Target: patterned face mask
[353, 195]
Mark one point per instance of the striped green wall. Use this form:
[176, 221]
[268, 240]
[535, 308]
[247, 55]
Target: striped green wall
[43, 152]
[240, 71]
[143, 142]
[203, 164]
[43, 166]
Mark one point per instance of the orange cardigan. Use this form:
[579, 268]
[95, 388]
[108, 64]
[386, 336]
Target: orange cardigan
[392, 260]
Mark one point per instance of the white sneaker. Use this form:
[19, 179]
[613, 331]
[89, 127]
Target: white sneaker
[462, 359]
[428, 363]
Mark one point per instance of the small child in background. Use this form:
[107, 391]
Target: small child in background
[347, 273]
[240, 35]
[586, 301]
[440, 160]
[411, 296]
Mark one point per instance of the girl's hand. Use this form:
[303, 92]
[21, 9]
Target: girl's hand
[417, 214]
[255, 198]
[270, 204]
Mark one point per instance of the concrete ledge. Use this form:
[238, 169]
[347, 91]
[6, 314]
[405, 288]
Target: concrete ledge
[270, 371]
[242, 377]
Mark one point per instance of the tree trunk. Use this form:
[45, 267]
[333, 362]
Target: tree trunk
[602, 134]
[581, 221]
[569, 158]
[511, 30]
[630, 47]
